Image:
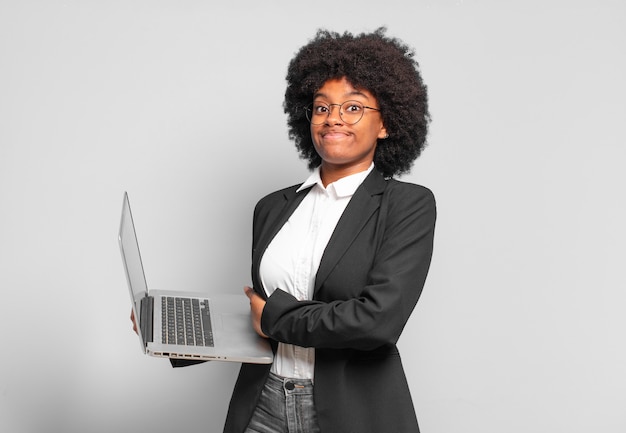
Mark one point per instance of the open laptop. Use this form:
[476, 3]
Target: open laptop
[184, 325]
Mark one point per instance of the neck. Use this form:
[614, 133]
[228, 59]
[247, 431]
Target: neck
[330, 173]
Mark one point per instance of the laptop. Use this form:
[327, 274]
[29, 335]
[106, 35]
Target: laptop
[185, 325]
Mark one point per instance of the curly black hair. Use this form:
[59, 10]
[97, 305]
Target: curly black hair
[373, 61]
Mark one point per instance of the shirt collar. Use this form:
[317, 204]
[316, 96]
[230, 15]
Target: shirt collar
[344, 187]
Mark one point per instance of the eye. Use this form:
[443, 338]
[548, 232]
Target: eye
[352, 107]
[319, 108]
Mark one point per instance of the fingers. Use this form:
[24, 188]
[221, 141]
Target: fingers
[249, 291]
[256, 309]
[132, 319]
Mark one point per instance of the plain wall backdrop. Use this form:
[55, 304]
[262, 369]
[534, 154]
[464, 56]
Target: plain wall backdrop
[521, 324]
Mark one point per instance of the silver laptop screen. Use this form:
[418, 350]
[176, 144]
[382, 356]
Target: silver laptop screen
[132, 258]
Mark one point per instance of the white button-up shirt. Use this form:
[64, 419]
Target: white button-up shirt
[291, 260]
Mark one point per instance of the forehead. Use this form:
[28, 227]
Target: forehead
[341, 88]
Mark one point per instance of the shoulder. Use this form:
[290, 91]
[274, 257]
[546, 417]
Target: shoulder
[277, 200]
[278, 196]
[404, 197]
[376, 184]
[400, 189]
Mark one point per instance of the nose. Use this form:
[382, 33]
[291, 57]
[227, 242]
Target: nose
[334, 116]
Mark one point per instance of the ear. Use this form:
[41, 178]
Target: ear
[382, 134]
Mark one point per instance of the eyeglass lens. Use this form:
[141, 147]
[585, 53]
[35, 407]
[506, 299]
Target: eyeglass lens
[350, 112]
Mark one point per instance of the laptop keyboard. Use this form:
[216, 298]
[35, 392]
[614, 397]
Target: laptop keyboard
[186, 321]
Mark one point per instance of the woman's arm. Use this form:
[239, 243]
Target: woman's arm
[378, 311]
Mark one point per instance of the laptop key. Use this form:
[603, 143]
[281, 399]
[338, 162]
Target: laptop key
[206, 324]
[186, 321]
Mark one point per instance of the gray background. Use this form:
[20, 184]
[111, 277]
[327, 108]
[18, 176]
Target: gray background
[521, 324]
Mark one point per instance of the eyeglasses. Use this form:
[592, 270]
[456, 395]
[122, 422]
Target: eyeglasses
[351, 112]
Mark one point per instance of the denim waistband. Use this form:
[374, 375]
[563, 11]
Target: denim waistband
[292, 386]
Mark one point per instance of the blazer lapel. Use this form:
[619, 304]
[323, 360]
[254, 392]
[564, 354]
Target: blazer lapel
[363, 204]
[283, 211]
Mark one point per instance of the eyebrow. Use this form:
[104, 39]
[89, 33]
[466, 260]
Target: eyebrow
[352, 93]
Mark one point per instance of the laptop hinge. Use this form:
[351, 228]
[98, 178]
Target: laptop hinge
[146, 319]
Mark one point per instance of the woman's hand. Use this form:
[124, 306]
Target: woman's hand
[132, 319]
[256, 309]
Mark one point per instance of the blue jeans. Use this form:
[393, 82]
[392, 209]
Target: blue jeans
[285, 406]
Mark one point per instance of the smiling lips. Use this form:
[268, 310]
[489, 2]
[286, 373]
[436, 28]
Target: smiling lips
[334, 134]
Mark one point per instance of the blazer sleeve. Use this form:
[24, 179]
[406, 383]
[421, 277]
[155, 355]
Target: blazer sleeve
[395, 269]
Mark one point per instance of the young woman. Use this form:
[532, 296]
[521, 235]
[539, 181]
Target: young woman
[339, 261]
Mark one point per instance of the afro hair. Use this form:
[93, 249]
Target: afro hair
[373, 61]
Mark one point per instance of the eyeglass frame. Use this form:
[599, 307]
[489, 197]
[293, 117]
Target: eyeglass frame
[308, 111]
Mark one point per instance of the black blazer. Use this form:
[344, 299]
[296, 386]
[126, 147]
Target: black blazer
[369, 280]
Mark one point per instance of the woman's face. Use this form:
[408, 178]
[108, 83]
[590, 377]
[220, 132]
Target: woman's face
[345, 147]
